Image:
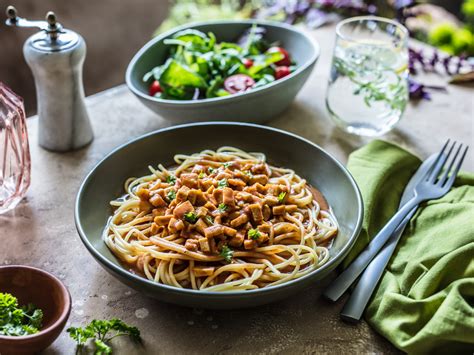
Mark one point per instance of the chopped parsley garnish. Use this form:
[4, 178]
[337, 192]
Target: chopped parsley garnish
[227, 253]
[226, 165]
[171, 195]
[102, 332]
[210, 170]
[248, 173]
[171, 179]
[281, 196]
[18, 321]
[222, 207]
[190, 217]
[209, 219]
[201, 175]
[254, 234]
[222, 183]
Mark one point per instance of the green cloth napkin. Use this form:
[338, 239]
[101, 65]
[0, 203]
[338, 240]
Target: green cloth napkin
[424, 302]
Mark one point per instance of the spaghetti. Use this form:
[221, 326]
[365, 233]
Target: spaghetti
[221, 220]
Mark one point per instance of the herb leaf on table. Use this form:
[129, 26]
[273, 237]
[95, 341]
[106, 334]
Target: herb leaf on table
[101, 332]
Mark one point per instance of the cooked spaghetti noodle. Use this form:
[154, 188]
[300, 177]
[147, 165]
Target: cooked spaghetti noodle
[221, 220]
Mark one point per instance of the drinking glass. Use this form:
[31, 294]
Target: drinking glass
[15, 161]
[368, 86]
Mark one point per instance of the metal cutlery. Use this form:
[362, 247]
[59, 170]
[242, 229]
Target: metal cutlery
[360, 296]
[434, 184]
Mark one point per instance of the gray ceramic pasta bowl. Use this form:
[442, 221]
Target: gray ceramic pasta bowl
[256, 105]
[105, 183]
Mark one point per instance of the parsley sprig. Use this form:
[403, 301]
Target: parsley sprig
[171, 179]
[227, 253]
[190, 217]
[18, 321]
[222, 183]
[254, 234]
[102, 332]
[222, 207]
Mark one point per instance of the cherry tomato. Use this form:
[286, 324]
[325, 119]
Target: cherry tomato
[247, 62]
[286, 61]
[154, 88]
[238, 83]
[281, 72]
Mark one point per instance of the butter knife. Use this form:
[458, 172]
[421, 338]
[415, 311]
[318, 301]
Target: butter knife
[355, 306]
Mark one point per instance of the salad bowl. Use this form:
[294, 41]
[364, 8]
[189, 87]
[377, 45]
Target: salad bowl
[258, 104]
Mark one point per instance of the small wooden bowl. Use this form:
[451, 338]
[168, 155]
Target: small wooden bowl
[45, 291]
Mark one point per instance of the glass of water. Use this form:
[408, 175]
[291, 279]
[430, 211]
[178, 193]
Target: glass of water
[368, 86]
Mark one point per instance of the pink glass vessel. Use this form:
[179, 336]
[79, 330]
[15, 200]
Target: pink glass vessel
[15, 163]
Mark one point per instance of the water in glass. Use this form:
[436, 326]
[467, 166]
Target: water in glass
[15, 161]
[368, 87]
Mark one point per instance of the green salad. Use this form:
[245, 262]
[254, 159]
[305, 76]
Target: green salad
[198, 67]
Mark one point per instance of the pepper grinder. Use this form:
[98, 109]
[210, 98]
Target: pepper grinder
[56, 55]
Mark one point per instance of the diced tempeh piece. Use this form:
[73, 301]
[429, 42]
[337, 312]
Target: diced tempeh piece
[244, 196]
[267, 212]
[237, 240]
[143, 194]
[291, 208]
[261, 168]
[249, 244]
[201, 212]
[182, 194]
[182, 209]
[200, 225]
[155, 228]
[261, 179]
[160, 211]
[213, 231]
[210, 206]
[175, 225]
[263, 238]
[264, 228]
[228, 196]
[278, 210]
[256, 211]
[196, 197]
[236, 183]
[204, 245]
[212, 245]
[157, 201]
[203, 271]
[223, 175]
[163, 220]
[270, 200]
[191, 244]
[217, 194]
[190, 180]
[231, 232]
[243, 218]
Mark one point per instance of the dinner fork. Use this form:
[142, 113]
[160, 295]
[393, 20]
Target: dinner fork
[435, 184]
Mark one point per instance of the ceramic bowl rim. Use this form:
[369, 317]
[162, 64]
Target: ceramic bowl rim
[64, 311]
[203, 102]
[230, 294]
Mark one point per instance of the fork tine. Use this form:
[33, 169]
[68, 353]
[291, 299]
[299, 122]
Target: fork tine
[450, 182]
[442, 180]
[439, 163]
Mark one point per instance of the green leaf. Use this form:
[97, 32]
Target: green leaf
[190, 217]
[222, 207]
[101, 348]
[180, 82]
[222, 183]
[227, 253]
[254, 234]
[171, 179]
[281, 196]
[171, 195]
[263, 61]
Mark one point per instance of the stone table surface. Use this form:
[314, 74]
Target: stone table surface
[40, 231]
